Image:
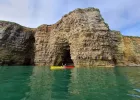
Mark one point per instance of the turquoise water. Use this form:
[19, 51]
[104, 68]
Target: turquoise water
[41, 83]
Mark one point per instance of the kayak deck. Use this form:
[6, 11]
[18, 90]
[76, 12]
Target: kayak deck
[62, 67]
[57, 67]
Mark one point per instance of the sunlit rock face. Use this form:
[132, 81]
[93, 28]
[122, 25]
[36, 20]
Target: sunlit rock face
[80, 38]
[41, 41]
[16, 44]
[83, 38]
[131, 51]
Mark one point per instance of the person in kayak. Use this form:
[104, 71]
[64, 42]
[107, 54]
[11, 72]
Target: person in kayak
[63, 65]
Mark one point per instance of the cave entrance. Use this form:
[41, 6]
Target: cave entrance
[66, 57]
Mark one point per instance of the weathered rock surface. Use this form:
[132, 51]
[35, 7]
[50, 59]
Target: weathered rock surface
[41, 41]
[84, 34]
[117, 46]
[81, 38]
[131, 51]
[16, 44]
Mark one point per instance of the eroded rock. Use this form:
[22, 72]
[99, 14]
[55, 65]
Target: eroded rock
[80, 38]
[86, 38]
[16, 44]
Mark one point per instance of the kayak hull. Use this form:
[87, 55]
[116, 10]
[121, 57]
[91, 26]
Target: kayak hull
[62, 67]
[57, 67]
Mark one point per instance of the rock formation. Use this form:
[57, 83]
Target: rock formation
[131, 50]
[81, 38]
[16, 44]
[41, 41]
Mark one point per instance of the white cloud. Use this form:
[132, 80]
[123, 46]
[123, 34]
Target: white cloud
[44, 11]
[16, 11]
[119, 14]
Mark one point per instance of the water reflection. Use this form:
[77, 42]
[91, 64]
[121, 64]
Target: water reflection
[97, 84]
[123, 84]
[60, 84]
[82, 84]
[41, 84]
[14, 82]
[48, 85]
[132, 78]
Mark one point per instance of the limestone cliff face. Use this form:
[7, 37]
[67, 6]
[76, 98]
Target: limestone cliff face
[16, 44]
[84, 38]
[117, 45]
[81, 38]
[131, 51]
[42, 36]
[84, 35]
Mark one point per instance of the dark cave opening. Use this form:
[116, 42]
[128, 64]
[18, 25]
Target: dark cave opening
[66, 57]
[27, 61]
[114, 60]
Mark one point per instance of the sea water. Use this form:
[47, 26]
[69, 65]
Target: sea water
[41, 83]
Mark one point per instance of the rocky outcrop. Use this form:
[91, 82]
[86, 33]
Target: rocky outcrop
[84, 36]
[117, 46]
[131, 51]
[16, 44]
[41, 41]
[81, 38]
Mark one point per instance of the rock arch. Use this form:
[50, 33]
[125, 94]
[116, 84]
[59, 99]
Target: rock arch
[82, 36]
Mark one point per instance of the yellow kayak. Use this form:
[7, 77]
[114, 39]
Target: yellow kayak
[62, 67]
[57, 67]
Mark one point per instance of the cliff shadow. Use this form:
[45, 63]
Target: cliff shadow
[30, 55]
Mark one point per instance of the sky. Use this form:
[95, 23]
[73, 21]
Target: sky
[121, 15]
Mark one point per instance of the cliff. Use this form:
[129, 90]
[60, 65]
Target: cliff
[81, 38]
[41, 41]
[131, 50]
[16, 44]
